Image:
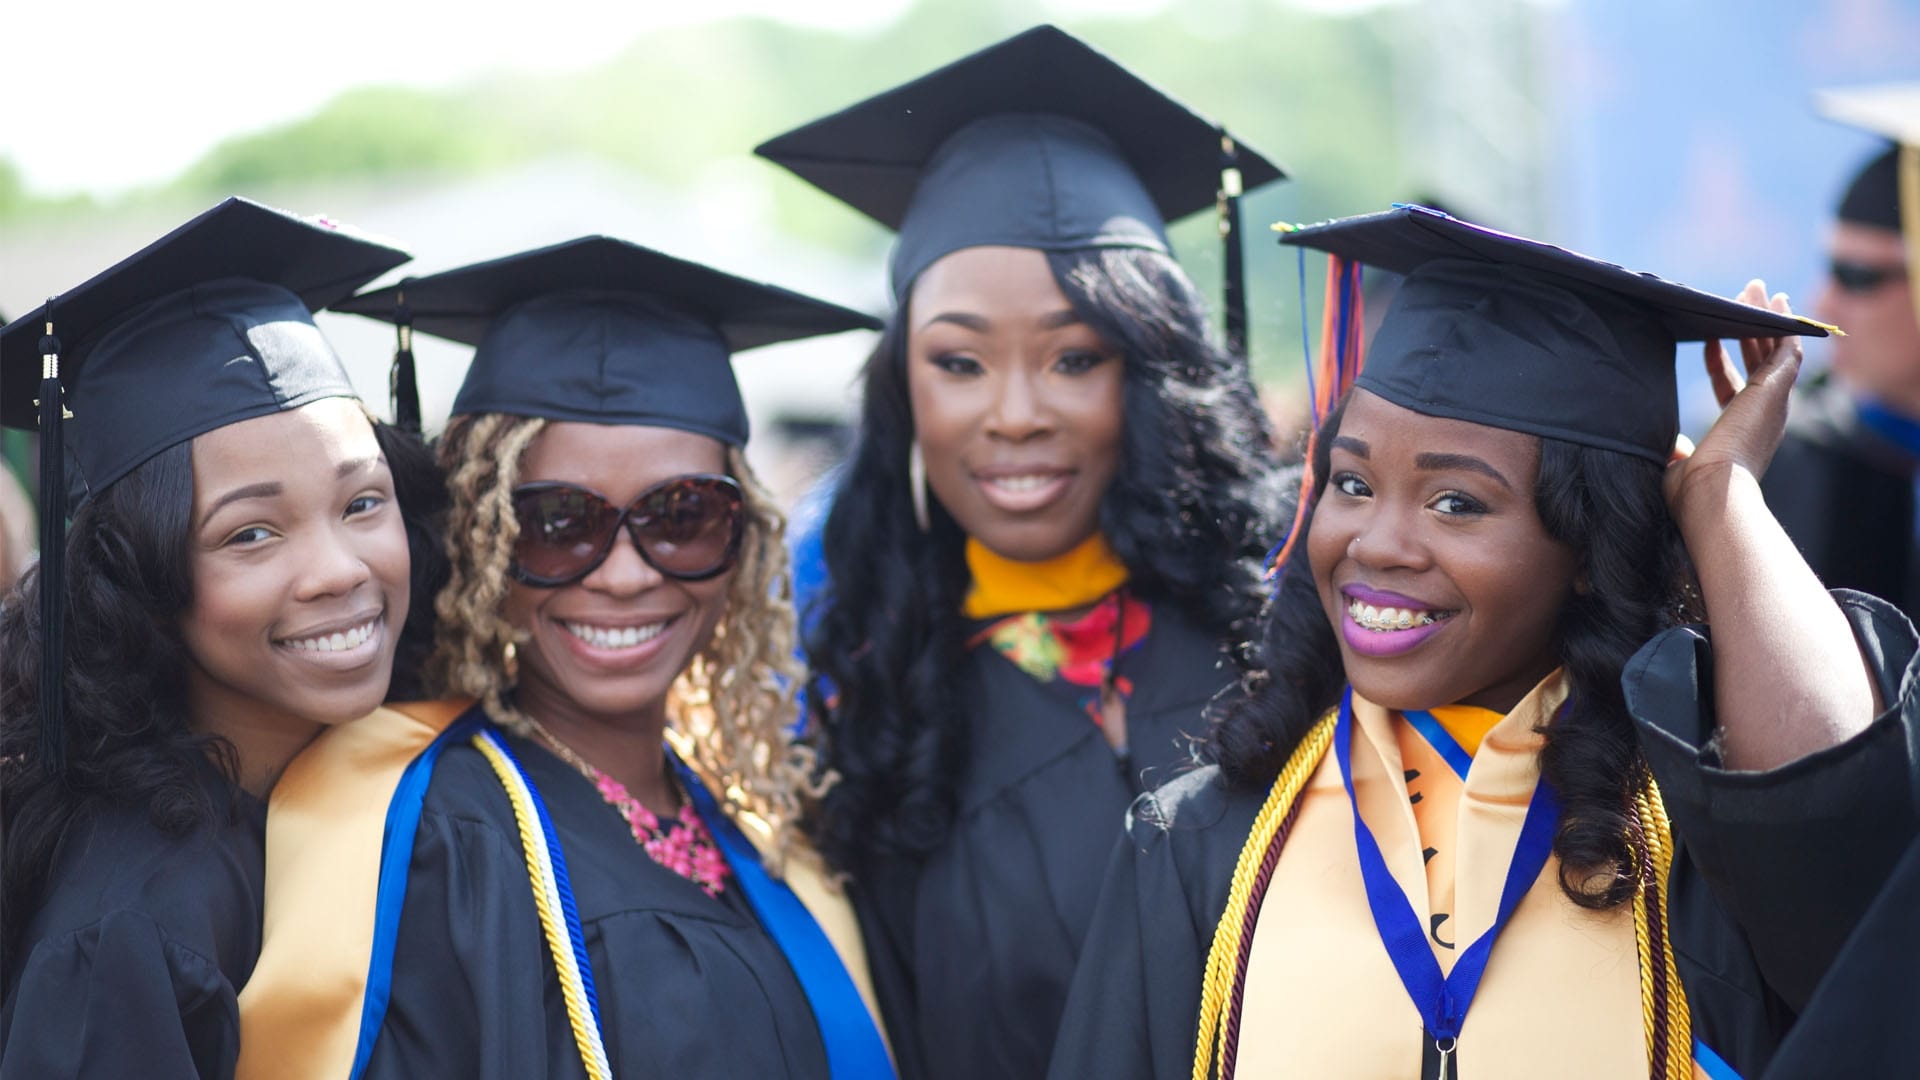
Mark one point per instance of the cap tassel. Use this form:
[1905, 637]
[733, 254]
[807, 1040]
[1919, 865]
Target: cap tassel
[1233, 257]
[402, 384]
[1908, 178]
[1341, 358]
[53, 557]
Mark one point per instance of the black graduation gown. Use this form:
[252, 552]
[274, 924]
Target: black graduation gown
[1861, 1020]
[132, 965]
[689, 985]
[973, 948]
[1771, 869]
[1846, 497]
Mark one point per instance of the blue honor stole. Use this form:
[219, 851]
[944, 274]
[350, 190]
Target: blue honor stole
[847, 1029]
[853, 1043]
[546, 869]
[1443, 1001]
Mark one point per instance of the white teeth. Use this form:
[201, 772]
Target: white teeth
[1382, 619]
[614, 637]
[1030, 482]
[336, 642]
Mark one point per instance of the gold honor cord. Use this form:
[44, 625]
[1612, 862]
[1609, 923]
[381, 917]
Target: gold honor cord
[546, 900]
[1663, 1001]
[1669, 1029]
[1223, 978]
[1910, 215]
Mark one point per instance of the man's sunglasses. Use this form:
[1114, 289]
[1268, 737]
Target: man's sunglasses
[1856, 277]
[688, 528]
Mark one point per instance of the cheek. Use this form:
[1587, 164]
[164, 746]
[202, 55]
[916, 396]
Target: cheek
[233, 608]
[1105, 423]
[711, 596]
[708, 609]
[942, 421]
[942, 427]
[1326, 545]
[389, 559]
[521, 603]
[1529, 586]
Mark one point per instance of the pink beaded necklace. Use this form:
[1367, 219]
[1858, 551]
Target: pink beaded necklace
[687, 848]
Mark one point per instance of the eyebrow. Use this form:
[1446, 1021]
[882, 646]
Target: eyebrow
[1351, 445]
[265, 490]
[977, 323]
[270, 488]
[980, 324]
[1459, 462]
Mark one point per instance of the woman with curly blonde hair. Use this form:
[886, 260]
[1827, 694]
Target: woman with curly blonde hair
[593, 866]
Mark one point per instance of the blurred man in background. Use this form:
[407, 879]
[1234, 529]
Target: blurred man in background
[1843, 483]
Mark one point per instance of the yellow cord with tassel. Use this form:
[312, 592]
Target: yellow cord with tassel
[1652, 813]
[1223, 957]
[1220, 984]
[533, 843]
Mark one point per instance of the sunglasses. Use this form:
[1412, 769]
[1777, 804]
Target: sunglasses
[1856, 277]
[688, 528]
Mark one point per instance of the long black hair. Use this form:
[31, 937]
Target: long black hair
[1197, 498]
[1608, 507]
[129, 739]
[421, 489]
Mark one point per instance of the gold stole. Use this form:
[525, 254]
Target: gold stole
[806, 873]
[1074, 579]
[1562, 993]
[300, 1010]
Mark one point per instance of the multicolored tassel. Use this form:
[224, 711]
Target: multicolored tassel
[1328, 379]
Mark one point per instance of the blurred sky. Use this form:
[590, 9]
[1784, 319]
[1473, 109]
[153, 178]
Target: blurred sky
[100, 96]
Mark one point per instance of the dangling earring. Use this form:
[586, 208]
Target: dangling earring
[510, 661]
[917, 487]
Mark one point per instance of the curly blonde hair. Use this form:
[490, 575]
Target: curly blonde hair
[734, 704]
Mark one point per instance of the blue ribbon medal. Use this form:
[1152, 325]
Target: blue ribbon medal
[1442, 1000]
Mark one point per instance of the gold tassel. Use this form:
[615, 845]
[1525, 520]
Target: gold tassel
[1909, 177]
[1220, 982]
[1222, 958]
[1652, 812]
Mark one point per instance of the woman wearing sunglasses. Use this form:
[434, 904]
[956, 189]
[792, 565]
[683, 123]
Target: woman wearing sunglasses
[1050, 530]
[592, 868]
[235, 579]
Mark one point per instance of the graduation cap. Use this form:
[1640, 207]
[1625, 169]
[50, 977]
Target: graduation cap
[604, 331]
[207, 326]
[1040, 141]
[1499, 330]
[1886, 192]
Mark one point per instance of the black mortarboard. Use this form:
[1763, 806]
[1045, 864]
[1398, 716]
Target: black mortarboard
[207, 326]
[1512, 333]
[1873, 195]
[1040, 141]
[606, 332]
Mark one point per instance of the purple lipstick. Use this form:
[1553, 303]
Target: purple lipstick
[1375, 622]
